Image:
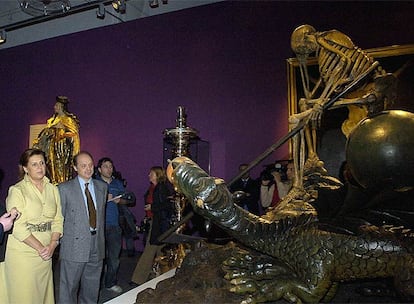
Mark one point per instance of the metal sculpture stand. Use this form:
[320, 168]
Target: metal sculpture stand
[180, 137]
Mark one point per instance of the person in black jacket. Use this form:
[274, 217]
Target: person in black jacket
[251, 189]
[159, 209]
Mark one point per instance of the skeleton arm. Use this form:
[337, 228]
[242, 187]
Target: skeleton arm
[364, 100]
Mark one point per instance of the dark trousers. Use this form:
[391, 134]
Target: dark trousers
[113, 240]
[130, 245]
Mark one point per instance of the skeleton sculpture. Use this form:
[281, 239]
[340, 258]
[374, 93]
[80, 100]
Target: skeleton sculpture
[310, 262]
[342, 66]
[309, 258]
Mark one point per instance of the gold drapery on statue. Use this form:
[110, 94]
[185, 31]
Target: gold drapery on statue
[60, 141]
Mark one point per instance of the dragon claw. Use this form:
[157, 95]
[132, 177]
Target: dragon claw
[247, 301]
[200, 203]
[244, 286]
[233, 274]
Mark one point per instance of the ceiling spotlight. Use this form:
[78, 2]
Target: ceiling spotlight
[65, 5]
[119, 6]
[153, 3]
[100, 12]
[2, 36]
[44, 7]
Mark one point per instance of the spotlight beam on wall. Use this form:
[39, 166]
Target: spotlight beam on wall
[3, 36]
[119, 6]
[100, 11]
[155, 3]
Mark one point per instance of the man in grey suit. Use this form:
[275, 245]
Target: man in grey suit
[82, 247]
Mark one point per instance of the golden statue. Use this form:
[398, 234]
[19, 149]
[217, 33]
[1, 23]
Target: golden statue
[60, 141]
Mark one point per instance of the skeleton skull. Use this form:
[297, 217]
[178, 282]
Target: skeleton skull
[303, 41]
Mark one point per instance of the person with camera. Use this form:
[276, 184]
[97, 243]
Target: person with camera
[268, 196]
[284, 185]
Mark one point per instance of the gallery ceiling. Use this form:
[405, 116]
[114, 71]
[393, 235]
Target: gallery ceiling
[25, 21]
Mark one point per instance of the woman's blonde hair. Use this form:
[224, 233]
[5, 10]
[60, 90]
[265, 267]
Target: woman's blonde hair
[159, 173]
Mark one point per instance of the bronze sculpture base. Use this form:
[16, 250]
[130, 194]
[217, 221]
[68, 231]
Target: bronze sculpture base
[201, 280]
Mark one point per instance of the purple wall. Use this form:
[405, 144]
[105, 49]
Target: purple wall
[225, 63]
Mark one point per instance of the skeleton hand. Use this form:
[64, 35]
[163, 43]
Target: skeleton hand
[312, 109]
[316, 114]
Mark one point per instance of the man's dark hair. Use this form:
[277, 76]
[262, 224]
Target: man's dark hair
[104, 160]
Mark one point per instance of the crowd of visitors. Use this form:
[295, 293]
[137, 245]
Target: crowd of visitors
[87, 217]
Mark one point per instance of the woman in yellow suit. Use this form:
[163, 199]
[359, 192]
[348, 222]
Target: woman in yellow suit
[36, 233]
[60, 141]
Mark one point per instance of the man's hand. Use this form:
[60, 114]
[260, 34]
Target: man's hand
[8, 218]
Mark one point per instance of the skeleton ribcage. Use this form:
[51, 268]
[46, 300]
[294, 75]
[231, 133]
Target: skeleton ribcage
[341, 67]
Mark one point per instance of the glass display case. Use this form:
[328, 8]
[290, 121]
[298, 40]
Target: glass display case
[199, 151]
[183, 140]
